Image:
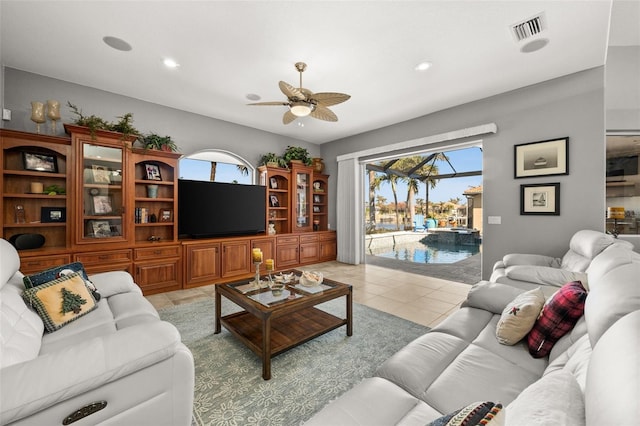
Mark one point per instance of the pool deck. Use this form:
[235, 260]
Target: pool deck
[467, 271]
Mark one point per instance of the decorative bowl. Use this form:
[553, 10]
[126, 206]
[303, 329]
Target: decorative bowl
[277, 288]
[284, 278]
[311, 279]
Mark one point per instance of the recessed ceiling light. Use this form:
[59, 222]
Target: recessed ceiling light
[253, 97]
[117, 43]
[423, 66]
[170, 63]
[534, 45]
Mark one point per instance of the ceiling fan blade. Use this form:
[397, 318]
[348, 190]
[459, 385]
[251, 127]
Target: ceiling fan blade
[291, 92]
[330, 98]
[288, 117]
[270, 103]
[323, 113]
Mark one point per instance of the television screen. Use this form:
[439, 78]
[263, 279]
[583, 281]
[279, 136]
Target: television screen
[216, 209]
[622, 166]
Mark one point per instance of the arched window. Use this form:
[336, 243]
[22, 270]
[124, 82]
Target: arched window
[218, 166]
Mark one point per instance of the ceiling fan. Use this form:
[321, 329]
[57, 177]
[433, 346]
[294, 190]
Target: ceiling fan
[303, 102]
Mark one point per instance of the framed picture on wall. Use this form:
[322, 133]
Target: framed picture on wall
[544, 158]
[540, 199]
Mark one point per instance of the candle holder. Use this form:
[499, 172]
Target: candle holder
[257, 281]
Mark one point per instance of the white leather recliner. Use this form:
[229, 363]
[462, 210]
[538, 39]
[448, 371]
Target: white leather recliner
[531, 270]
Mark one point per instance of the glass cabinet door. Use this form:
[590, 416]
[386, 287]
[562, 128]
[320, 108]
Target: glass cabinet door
[102, 193]
[302, 219]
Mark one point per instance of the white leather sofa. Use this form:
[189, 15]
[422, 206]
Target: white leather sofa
[120, 354]
[528, 271]
[591, 376]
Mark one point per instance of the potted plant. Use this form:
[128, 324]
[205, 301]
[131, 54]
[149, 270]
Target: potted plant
[93, 123]
[160, 143]
[272, 160]
[296, 153]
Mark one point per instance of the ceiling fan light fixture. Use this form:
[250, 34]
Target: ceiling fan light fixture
[301, 109]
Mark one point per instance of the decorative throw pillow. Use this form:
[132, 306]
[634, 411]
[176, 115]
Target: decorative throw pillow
[60, 271]
[557, 318]
[519, 317]
[478, 413]
[60, 301]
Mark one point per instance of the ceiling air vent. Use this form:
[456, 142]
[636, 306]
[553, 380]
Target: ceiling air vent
[529, 28]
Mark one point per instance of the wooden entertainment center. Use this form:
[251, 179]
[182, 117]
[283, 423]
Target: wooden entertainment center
[98, 209]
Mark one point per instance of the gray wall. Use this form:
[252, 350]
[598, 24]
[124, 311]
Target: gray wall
[192, 132]
[570, 106]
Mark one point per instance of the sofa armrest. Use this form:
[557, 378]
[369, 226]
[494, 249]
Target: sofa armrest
[530, 259]
[114, 282]
[79, 368]
[544, 275]
[490, 296]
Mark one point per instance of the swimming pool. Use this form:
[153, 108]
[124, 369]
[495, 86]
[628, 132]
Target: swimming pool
[420, 253]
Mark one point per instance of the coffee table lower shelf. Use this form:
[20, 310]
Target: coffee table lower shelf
[287, 331]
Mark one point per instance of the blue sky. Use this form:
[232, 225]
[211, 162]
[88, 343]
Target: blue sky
[464, 160]
[200, 170]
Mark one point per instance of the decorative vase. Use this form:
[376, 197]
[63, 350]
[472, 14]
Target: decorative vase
[318, 165]
[53, 112]
[37, 114]
[152, 191]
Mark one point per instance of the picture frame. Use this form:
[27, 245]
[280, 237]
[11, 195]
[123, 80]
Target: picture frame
[316, 209]
[100, 228]
[101, 174]
[165, 215]
[273, 201]
[273, 183]
[152, 171]
[40, 162]
[543, 158]
[316, 199]
[540, 199]
[102, 204]
[53, 214]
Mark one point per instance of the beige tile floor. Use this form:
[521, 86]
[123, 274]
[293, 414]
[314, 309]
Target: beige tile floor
[418, 298]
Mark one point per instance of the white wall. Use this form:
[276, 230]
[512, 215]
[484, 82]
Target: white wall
[570, 106]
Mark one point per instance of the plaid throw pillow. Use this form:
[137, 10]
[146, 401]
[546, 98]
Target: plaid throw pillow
[557, 318]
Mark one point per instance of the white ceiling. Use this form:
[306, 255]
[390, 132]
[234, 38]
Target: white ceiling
[368, 49]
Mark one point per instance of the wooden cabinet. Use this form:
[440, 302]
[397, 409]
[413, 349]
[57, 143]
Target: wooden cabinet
[32, 163]
[106, 260]
[277, 181]
[268, 248]
[32, 265]
[235, 258]
[320, 202]
[202, 263]
[101, 186]
[301, 209]
[309, 248]
[154, 200]
[287, 251]
[158, 268]
[328, 246]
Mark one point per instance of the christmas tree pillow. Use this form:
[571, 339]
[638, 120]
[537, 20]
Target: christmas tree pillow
[60, 301]
[57, 272]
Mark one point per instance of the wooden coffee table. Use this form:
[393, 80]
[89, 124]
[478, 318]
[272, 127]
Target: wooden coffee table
[269, 327]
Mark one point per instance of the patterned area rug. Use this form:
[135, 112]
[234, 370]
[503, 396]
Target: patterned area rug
[229, 388]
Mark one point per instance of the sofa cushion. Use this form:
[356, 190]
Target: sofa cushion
[477, 413]
[558, 317]
[555, 399]
[60, 271]
[614, 289]
[60, 301]
[519, 316]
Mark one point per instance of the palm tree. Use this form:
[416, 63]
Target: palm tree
[393, 181]
[374, 184]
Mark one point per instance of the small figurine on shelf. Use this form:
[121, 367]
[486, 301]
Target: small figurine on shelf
[272, 229]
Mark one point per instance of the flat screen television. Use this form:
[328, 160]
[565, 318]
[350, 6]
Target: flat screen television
[216, 209]
[622, 166]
